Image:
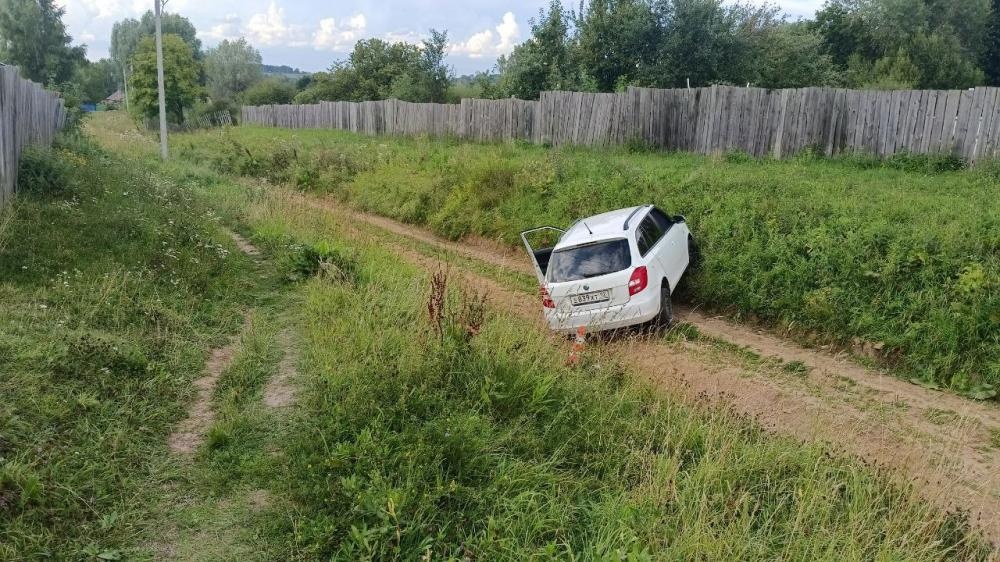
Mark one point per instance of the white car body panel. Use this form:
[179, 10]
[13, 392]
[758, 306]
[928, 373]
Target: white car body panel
[665, 262]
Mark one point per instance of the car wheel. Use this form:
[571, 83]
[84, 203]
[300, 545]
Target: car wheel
[694, 254]
[666, 315]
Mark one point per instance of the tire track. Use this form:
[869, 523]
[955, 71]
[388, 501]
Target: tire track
[876, 417]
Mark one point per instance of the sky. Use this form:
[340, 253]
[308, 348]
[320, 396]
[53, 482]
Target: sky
[312, 34]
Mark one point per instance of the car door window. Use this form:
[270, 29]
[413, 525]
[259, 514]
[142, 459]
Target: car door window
[661, 219]
[647, 235]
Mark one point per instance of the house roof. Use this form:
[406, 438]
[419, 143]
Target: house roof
[115, 97]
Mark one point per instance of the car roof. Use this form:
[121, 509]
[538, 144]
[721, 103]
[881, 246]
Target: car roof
[605, 226]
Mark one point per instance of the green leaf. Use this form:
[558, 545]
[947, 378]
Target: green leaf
[982, 392]
[926, 383]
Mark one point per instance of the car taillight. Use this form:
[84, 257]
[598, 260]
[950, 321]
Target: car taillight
[546, 299]
[638, 281]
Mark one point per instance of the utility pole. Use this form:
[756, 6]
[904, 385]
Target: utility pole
[164, 152]
[125, 85]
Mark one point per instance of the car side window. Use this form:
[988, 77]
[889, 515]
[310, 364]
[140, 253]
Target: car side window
[647, 235]
[661, 219]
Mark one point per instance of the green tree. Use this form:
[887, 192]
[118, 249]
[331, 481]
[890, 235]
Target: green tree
[543, 62]
[906, 43]
[231, 67]
[845, 32]
[33, 37]
[377, 70]
[97, 80]
[272, 90]
[616, 41]
[328, 86]
[433, 76]
[792, 56]
[377, 64]
[128, 33]
[708, 42]
[991, 50]
[941, 62]
[181, 72]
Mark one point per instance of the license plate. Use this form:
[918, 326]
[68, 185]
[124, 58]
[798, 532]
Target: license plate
[591, 298]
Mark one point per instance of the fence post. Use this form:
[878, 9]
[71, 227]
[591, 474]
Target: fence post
[701, 120]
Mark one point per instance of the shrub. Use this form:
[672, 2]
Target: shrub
[846, 247]
[41, 172]
[307, 261]
[277, 91]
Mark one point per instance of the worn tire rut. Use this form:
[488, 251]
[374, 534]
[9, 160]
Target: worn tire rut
[190, 432]
[863, 412]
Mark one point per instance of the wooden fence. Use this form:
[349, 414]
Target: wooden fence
[710, 120]
[216, 119]
[29, 115]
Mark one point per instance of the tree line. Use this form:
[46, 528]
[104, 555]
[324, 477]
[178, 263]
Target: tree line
[601, 46]
[606, 45]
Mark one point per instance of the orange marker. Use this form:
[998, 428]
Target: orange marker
[578, 342]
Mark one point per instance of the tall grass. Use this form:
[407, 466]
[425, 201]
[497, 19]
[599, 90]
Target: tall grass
[425, 430]
[475, 440]
[900, 256]
[113, 284]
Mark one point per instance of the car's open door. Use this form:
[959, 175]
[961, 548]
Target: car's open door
[539, 242]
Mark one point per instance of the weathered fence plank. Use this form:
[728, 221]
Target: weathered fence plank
[705, 120]
[29, 116]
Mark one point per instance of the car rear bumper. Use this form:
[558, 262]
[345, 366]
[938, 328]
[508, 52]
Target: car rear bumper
[638, 310]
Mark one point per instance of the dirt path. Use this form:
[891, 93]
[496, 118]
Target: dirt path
[243, 244]
[280, 390]
[190, 432]
[944, 444]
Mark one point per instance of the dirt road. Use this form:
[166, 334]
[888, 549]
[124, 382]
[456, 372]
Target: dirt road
[946, 445]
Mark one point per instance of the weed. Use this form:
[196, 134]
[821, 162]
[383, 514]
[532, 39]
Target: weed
[41, 172]
[940, 416]
[796, 368]
[112, 285]
[738, 157]
[401, 458]
[485, 446]
[307, 261]
[436, 302]
[638, 145]
[683, 331]
[895, 251]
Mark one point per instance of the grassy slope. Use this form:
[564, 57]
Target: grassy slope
[491, 447]
[113, 284]
[832, 249]
[404, 443]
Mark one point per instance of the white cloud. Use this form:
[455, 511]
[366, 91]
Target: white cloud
[490, 42]
[226, 28]
[270, 28]
[403, 37]
[333, 36]
[509, 34]
[96, 9]
[116, 9]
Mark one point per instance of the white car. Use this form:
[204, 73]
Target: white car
[611, 270]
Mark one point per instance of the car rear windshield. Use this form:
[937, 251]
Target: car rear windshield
[589, 260]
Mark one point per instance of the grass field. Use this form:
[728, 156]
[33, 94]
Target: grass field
[113, 284]
[899, 259]
[407, 440]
